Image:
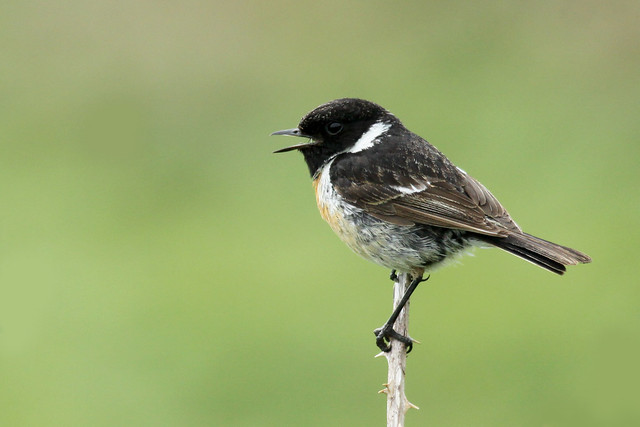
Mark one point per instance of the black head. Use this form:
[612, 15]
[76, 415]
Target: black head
[335, 127]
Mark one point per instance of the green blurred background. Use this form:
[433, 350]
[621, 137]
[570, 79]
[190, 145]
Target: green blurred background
[159, 266]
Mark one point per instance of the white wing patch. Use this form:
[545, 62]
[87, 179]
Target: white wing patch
[412, 189]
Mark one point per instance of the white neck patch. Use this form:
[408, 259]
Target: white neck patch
[368, 138]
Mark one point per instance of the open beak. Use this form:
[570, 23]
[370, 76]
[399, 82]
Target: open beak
[294, 132]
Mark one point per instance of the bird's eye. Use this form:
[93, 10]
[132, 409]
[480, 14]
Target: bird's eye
[334, 128]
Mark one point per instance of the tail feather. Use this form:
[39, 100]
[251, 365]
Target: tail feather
[543, 253]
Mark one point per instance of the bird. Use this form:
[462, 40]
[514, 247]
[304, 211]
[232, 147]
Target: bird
[396, 200]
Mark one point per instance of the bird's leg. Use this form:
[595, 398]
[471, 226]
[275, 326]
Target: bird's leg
[386, 332]
[393, 276]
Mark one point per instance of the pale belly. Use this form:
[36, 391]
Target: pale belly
[403, 248]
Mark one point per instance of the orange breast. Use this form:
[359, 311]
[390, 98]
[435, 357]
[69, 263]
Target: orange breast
[322, 207]
[332, 216]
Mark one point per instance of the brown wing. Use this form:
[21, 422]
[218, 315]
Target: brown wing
[420, 186]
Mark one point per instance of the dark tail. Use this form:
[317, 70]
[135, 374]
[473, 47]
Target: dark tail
[538, 251]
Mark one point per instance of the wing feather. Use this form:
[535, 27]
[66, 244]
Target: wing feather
[419, 186]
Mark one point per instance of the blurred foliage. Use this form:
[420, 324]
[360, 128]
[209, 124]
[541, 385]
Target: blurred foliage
[159, 266]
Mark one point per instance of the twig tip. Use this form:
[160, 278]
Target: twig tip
[385, 390]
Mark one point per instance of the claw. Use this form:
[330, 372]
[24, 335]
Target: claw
[393, 276]
[384, 335]
[386, 332]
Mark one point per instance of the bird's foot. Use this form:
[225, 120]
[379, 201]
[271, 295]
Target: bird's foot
[384, 335]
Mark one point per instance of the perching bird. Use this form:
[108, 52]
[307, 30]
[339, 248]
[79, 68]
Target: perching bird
[397, 201]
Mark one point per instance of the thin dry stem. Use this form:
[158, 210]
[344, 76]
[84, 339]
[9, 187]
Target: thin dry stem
[397, 403]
